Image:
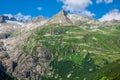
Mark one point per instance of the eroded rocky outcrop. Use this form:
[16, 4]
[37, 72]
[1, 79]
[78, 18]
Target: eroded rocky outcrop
[32, 66]
[22, 65]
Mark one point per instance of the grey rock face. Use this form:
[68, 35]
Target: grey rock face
[25, 66]
[1, 19]
[3, 52]
[32, 66]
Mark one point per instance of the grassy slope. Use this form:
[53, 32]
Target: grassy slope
[77, 52]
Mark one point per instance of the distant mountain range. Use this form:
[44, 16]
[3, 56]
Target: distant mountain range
[3, 19]
[62, 17]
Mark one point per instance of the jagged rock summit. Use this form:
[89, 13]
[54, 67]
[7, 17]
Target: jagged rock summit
[61, 18]
[65, 18]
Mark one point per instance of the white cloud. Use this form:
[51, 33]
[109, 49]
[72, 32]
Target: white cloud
[77, 6]
[85, 13]
[99, 1]
[73, 5]
[39, 8]
[105, 1]
[108, 1]
[112, 15]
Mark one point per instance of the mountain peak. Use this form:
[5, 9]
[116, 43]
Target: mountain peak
[63, 13]
[60, 17]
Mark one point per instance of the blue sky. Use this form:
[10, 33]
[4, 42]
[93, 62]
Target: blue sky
[99, 9]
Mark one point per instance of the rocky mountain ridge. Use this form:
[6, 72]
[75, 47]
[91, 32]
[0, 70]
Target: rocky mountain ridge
[37, 49]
